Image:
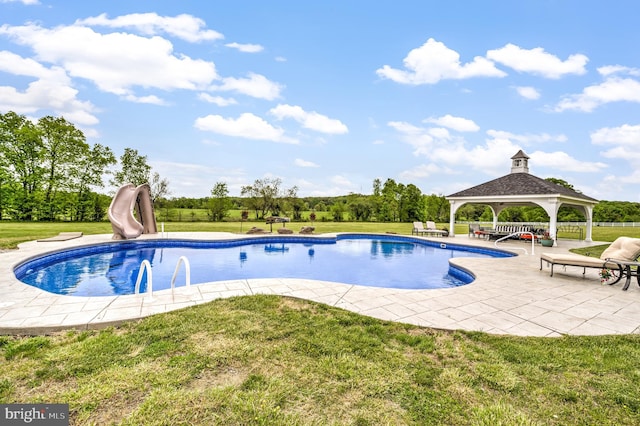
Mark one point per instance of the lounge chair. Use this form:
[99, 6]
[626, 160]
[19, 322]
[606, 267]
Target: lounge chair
[418, 228]
[624, 249]
[431, 229]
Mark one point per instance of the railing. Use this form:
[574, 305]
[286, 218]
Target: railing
[187, 272]
[533, 241]
[145, 266]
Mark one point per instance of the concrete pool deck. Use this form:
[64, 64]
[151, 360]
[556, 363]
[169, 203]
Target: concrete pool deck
[509, 296]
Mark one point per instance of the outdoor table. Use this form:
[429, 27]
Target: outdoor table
[625, 266]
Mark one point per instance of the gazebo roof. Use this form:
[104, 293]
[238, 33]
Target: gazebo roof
[520, 184]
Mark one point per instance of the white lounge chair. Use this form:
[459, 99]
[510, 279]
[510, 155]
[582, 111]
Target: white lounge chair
[419, 229]
[624, 249]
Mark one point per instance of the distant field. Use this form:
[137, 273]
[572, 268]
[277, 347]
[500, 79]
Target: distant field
[200, 215]
[13, 233]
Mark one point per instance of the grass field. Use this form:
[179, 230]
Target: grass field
[13, 233]
[268, 360]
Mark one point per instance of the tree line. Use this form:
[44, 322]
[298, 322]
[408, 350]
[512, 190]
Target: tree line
[49, 172]
[390, 202]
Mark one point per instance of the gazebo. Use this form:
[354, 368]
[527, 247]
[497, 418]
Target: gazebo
[519, 188]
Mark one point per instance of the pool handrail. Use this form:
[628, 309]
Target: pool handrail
[187, 272]
[533, 241]
[145, 265]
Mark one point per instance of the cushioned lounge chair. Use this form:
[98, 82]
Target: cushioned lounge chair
[624, 249]
[418, 228]
[432, 230]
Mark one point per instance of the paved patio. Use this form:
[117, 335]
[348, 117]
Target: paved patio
[509, 296]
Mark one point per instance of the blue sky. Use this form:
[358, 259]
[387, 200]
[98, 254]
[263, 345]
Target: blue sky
[330, 95]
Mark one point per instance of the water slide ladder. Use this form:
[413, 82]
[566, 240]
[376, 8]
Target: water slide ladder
[146, 266]
[533, 241]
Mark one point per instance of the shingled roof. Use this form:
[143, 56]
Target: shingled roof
[519, 184]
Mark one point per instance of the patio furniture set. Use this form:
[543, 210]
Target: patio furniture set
[500, 231]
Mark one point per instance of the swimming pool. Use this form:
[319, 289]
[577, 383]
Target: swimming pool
[372, 260]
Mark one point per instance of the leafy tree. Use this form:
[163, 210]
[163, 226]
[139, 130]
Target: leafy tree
[411, 204]
[561, 182]
[337, 211]
[159, 187]
[22, 155]
[219, 203]
[63, 145]
[262, 195]
[437, 208]
[133, 169]
[390, 207]
[90, 168]
[360, 207]
[294, 204]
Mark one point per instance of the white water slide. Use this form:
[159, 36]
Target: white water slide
[131, 212]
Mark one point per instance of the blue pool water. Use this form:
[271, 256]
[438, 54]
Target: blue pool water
[380, 261]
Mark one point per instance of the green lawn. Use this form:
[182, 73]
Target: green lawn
[263, 360]
[272, 360]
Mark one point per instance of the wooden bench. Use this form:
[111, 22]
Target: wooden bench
[570, 229]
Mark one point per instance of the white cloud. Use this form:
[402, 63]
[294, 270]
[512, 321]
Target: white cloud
[433, 62]
[304, 163]
[528, 92]
[613, 89]
[197, 180]
[537, 61]
[633, 178]
[625, 140]
[25, 2]
[421, 172]
[115, 62]
[52, 90]
[456, 123]
[527, 139]
[562, 161]
[623, 135]
[150, 99]
[246, 126]
[309, 120]
[417, 137]
[246, 48]
[257, 86]
[340, 181]
[618, 69]
[186, 27]
[492, 157]
[218, 100]
[338, 185]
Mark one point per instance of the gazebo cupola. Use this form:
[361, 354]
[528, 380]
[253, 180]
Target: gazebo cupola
[520, 163]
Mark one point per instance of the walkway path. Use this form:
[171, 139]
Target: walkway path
[509, 296]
